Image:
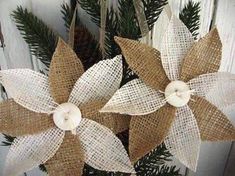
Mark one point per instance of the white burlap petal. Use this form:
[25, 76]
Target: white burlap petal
[28, 152]
[183, 140]
[135, 98]
[99, 82]
[161, 26]
[28, 88]
[218, 88]
[175, 44]
[103, 150]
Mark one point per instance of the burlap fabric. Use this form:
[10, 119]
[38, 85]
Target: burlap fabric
[213, 124]
[64, 71]
[174, 47]
[34, 93]
[183, 139]
[183, 60]
[16, 120]
[21, 82]
[27, 152]
[69, 155]
[135, 97]
[141, 140]
[102, 149]
[116, 122]
[203, 57]
[148, 69]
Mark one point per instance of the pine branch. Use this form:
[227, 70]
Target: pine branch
[153, 9]
[126, 25]
[92, 7]
[8, 140]
[41, 40]
[153, 164]
[42, 168]
[157, 157]
[112, 25]
[167, 171]
[190, 15]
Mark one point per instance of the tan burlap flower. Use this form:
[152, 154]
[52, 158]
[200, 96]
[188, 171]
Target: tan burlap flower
[44, 111]
[180, 97]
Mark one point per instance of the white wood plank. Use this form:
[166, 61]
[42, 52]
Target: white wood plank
[230, 169]
[213, 156]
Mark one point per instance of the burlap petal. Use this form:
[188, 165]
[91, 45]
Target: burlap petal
[213, 124]
[135, 98]
[204, 57]
[116, 122]
[99, 82]
[222, 94]
[27, 152]
[218, 88]
[28, 88]
[103, 150]
[145, 62]
[149, 131]
[175, 44]
[69, 159]
[183, 140]
[161, 26]
[65, 69]
[15, 120]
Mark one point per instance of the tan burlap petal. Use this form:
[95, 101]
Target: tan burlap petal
[69, 159]
[116, 122]
[15, 120]
[213, 124]
[145, 61]
[65, 69]
[149, 131]
[204, 57]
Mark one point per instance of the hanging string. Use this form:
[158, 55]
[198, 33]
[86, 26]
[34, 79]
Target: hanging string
[168, 11]
[143, 24]
[72, 27]
[104, 4]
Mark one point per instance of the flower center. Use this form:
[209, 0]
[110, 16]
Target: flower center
[177, 93]
[67, 116]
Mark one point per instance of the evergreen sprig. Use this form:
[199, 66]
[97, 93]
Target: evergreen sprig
[123, 23]
[190, 15]
[92, 7]
[167, 171]
[8, 140]
[153, 164]
[153, 8]
[41, 39]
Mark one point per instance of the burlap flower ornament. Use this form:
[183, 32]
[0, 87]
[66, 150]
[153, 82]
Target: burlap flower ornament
[179, 98]
[53, 117]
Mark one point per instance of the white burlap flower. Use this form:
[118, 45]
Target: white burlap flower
[179, 97]
[44, 111]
